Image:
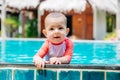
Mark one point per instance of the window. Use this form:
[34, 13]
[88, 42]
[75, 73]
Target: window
[111, 22]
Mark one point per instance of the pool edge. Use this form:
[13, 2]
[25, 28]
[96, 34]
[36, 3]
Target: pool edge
[64, 66]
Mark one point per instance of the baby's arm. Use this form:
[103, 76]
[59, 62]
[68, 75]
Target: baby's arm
[38, 58]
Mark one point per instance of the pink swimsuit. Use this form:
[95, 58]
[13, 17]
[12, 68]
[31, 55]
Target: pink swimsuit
[56, 50]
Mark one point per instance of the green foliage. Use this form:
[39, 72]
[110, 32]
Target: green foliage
[12, 22]
[31, 28]
[0, 32]
[111, 36]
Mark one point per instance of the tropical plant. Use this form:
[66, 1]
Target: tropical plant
[11, 23]
[31, 28]
[111, 36]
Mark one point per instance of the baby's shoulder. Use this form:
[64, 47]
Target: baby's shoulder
[67, 40]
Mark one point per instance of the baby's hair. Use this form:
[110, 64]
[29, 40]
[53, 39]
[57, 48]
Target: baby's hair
[56, 15]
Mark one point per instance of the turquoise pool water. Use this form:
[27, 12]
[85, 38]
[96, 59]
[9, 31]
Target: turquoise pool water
[92, 52]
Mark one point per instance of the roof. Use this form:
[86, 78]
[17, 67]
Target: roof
[106, 5]
[21, 4]
[0, 2]
[77, 5]
[63, 5]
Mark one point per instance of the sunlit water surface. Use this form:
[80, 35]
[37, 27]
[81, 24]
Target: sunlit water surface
[22, 51]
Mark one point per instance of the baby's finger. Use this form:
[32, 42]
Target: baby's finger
[43, 64]
[47, 62]
[40, 66]
[36, 63]
[57, 62]
[52, 62]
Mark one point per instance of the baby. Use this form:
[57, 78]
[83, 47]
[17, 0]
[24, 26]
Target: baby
[57, 48]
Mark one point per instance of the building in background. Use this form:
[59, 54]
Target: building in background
[0, 15]
[87, 19]
[25, 13]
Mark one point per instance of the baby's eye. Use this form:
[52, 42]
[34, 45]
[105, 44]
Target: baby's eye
[60, 28]
[51, 29]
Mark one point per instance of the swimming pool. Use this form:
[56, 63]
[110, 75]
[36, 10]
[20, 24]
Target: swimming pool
[22, 51]
[96, 55]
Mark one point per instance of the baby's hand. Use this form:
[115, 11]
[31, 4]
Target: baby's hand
[39, 62]
[55, 60]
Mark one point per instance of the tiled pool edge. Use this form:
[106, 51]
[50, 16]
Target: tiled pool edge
[59, 72]
[64, 66]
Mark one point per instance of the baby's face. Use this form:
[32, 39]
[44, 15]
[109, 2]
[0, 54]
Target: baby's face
[55, 30]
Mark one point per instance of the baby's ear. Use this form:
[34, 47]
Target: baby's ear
[67, 31]
[44, 32]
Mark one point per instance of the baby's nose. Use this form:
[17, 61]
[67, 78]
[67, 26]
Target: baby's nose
[56, 30]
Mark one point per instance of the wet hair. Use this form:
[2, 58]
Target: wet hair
[56, 15]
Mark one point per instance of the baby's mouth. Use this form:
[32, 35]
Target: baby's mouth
[56, 37]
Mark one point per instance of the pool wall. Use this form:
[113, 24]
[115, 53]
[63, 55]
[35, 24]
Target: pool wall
[58, 72]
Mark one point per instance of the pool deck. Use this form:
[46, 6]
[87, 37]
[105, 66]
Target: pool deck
[63, 66]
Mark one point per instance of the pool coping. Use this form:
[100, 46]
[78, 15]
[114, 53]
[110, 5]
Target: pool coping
[63, 66]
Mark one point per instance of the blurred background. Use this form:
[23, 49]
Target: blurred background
[87, 19]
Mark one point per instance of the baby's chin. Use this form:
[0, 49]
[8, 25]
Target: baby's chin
[56, 42]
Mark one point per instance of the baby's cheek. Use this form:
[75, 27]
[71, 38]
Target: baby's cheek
[64, 34]
[49, 34]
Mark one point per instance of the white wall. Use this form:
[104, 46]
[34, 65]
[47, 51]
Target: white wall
[99, 23]
[118, 21]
